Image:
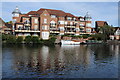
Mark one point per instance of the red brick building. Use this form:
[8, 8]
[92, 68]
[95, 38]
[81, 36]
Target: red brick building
[48, 21]
[99, 24]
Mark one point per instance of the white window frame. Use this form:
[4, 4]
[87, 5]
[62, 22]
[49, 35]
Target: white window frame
[35, 20]
[53, 16]
[36, 27]
[61, 22]
[45, 20]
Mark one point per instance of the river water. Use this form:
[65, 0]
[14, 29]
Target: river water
[65, 61]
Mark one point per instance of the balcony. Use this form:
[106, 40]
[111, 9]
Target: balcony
[70, 32]
[54, 30]
[26, 31]
[70, 26]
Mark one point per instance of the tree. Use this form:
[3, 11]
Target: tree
[106, 31]
[10, 22]
[97, 37]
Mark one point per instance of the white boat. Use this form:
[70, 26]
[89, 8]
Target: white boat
[69, 42]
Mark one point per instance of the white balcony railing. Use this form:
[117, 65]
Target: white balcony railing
[26, 31]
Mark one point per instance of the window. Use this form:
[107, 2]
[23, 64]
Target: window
[52, 23]
[88, 30]
[44, 27]
[30, 15]
[81, 24]
[71, 23]
[69, 18]
[81, 19]
[61, 28]
[14, 20]
[53, 16]
[77, 29]
[88, 24]
[36, 20]
[45, 20]
[74, 19]
[20, 27]
[36, 27]
[45, 14]
[16, 15]
[26, 21]
[65, 23]
[61, 22]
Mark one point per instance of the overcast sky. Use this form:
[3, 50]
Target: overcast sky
[99, 11]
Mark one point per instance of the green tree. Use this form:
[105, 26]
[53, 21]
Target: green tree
[10, 22]
[106, 31]
[97, 37]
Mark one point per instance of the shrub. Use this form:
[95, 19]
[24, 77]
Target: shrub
[28, 39]
[97, 37]
[85, 36]
[4, 37]
[52, 40]
[19, 39]
[35, 39]
[11, 39]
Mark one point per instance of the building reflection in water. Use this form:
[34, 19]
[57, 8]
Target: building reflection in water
[57, 58]
[54, 59]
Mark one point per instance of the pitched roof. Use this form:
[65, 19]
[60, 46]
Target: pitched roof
[101, 23]
[8, 25]
[70, 15]
[2, 23]
[25, 15]
[32, 13]
[115, 28]
[55, 12]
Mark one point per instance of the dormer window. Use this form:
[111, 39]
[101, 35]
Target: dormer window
[30, 15]
[53, 16]
[45, 14]
[74, 19]
[81, 19]
[69, 18]
[27, 22]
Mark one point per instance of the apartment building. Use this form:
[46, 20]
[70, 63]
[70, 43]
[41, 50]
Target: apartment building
[45, 22]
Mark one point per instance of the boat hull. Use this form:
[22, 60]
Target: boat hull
[66, 42]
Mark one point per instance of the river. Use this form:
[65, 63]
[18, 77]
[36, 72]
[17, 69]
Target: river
[65, 61]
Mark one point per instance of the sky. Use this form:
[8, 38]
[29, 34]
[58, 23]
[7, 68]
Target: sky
[99, 11]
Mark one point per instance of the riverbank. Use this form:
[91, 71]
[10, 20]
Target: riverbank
[11, 39]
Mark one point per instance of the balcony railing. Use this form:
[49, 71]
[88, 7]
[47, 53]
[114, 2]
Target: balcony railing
[54, 29]
[70, 32]
[70, 25]
[26, 31]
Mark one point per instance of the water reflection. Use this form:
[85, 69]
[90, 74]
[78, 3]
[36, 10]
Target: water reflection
[61, 61]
